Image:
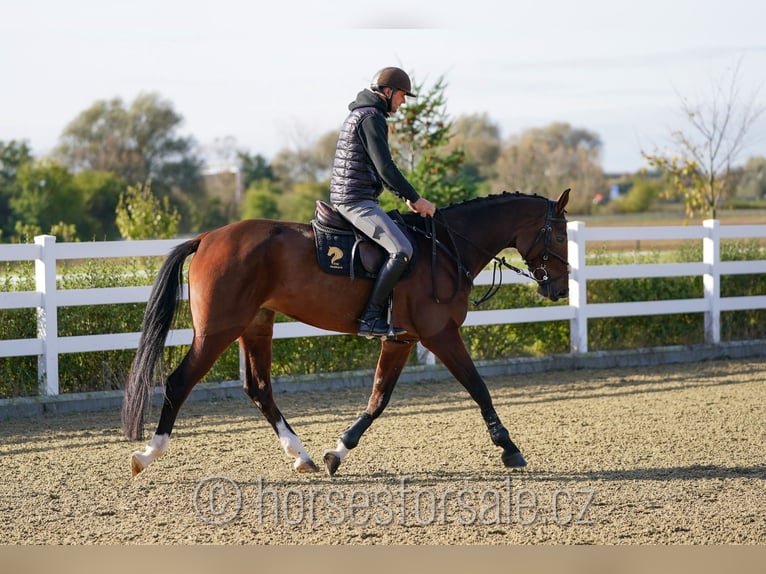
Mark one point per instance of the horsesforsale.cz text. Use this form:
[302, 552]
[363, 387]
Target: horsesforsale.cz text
[219, 500]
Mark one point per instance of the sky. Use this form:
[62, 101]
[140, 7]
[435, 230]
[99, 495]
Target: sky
[275, 75]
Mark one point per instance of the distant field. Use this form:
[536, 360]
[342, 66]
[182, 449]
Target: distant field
[734, 217]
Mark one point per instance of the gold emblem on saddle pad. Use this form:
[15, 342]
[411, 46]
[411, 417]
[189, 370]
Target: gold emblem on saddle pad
[335, 254]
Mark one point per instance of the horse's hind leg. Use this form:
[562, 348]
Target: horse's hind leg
[196, 363]
[393, 357]
[256, 345]
[449, 347]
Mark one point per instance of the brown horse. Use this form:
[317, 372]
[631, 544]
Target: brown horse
[245, 272]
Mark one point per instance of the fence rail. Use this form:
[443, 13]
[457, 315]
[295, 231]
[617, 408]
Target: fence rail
[47, 299]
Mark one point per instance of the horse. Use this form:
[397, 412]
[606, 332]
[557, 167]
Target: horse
[243, 273]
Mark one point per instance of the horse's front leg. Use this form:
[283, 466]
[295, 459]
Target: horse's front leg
[393, 357]
[450, 348]
[256, 345]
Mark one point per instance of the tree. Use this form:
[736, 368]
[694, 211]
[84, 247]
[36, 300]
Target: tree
[550, 159]
[639, 198]
[261, 201]
[299, 203]
[141, 215]
[100, 192]
[211, 212]
[254, 168]
[139, 143]
[306, 162]
[752, 183]
[324, 155]
[46, 195]
[420, 134]
[479, 138]
[13, 155]
[700, 166]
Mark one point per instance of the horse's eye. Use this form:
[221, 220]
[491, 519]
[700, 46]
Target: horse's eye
[561, 238]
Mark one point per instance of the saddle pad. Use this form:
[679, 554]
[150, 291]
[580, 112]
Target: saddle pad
[338, 252]
[346, 252]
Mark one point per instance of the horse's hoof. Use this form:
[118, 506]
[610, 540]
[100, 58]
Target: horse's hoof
[331, 461]
[513, 460]
[136, 466]
[306, 466]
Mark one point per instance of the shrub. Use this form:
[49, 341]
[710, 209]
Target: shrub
[108, 370]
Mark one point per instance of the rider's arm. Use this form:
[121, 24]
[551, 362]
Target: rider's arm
[373, 131]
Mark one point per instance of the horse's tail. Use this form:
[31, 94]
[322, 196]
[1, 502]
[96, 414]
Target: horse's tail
[160, 310]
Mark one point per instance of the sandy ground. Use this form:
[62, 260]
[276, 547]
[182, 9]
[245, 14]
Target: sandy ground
[669, 455]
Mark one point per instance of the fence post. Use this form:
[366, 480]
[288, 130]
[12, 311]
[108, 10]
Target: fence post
[242, 366]
[578, 292]
[711, 280]
[425, 357]
[47, 316]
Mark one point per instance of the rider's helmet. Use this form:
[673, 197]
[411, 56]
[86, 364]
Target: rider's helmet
[392, 77]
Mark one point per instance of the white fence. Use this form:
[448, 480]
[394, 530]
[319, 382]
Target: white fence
[48, 345]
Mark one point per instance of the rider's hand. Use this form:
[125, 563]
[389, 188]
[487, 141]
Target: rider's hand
[422, 206]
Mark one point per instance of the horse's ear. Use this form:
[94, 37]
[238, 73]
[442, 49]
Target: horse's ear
[562, 201]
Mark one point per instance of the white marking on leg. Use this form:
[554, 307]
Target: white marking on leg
[341, 451]
[291, 444]
[155, 448]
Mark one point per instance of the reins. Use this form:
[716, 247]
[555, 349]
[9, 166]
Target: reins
[456, 257]
[498, 262]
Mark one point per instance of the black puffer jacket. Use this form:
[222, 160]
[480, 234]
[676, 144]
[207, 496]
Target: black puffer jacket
[363, 163]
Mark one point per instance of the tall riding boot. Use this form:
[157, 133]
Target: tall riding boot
[372, 322]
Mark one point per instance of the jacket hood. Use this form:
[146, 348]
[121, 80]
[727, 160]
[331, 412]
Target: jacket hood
[367, 98]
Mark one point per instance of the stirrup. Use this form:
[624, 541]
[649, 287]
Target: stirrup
[378, 328]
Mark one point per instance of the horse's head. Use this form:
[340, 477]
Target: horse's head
[545, 253]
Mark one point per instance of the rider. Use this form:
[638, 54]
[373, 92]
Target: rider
[362, 168]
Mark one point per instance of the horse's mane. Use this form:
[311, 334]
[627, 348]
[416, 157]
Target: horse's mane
[415, 220]
[491, 197]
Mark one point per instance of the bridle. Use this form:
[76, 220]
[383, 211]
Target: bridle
[538, 274]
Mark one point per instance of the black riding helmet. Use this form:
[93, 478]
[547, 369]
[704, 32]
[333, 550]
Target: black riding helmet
[392, 77]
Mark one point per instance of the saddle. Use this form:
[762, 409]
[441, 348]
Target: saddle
[343, 250]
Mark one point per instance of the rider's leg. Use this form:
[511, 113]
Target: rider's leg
[372, 321]
[370, 219]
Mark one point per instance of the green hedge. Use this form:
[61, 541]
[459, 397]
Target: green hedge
[108, 370]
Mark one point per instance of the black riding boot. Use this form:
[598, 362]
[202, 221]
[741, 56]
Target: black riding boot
[372, 322]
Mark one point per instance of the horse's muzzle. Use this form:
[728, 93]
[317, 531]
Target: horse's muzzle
[553, 291]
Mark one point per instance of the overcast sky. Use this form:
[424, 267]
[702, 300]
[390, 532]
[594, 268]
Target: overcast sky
[275, 74]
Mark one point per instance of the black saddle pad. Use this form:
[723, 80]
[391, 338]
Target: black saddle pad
[336, 251]
[346, 251]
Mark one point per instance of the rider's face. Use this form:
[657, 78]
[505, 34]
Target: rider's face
[397, 100]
